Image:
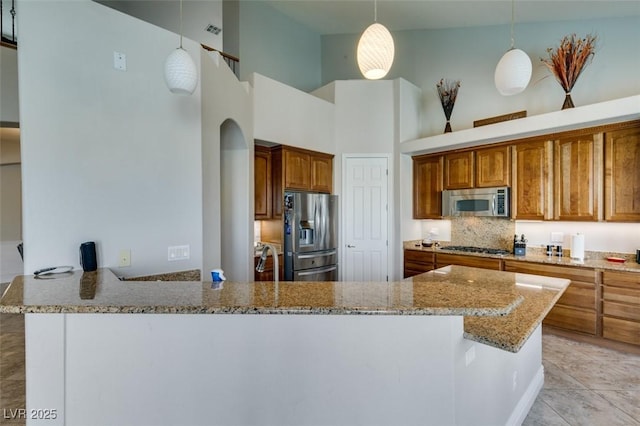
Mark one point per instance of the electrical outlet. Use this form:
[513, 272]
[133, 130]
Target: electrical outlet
[557, 237]
[179, 253]
[124, 259]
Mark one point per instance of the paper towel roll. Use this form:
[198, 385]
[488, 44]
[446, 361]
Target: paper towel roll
[577, 246]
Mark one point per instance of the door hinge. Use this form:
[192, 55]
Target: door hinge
[387, 171]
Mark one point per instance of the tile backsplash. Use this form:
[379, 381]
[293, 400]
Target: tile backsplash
[482, 232]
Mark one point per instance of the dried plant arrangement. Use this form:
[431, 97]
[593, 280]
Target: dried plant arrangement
[448, 92]
[568, 60]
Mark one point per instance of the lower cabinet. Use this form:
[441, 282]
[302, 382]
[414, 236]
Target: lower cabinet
[576, 310]
[444, 259]
[621, 306]
[417, 262]
[268, 275]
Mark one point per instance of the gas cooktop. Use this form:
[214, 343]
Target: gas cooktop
[471, 249]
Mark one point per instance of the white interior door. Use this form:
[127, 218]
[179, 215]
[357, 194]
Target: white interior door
[365, 219]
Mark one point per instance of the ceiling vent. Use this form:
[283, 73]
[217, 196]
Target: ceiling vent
[213, 29]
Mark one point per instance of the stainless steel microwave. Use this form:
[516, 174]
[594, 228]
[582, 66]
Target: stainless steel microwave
[492, 202]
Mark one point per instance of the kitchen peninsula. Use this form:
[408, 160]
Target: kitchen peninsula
[457, 345]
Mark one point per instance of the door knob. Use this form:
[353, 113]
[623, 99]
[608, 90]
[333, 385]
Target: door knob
[350, 246]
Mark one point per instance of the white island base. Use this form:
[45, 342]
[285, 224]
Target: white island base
[191, 369]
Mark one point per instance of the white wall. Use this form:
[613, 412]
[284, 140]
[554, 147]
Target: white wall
[285, 115]
[598, 236]
[108, 156]
[471, 54]
[9, 85]
[196, 16]
[278, 47]
[227, 170]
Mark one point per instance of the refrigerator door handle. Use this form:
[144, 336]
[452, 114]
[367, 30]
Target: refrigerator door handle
[317, 271]
[311, 256]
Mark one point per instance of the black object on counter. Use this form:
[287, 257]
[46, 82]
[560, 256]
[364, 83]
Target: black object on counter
[638, 256]
[88, 258]
[559, 250]
[519, 247]
[550, 248]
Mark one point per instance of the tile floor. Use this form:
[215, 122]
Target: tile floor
[584, 384]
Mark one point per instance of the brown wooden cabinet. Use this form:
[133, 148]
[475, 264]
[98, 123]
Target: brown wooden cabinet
[578, 173]
[427, 186]
[531, 193]
[417, 262]
[576, 310]
[268, 275]
[322, 173]
[622, 175]
[444, 259]
[262, 182]
[621, 306]
[493, 167]
[299, 170]
[304, 170]
[459, 170]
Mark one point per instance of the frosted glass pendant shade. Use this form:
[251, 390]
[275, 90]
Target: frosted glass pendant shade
[180, 72]
[375, 52]
[513, 72]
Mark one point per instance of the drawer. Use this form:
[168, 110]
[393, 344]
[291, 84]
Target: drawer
[621, 330]
[624, 295]
[579, 295]
[582, 275]
[621, 310]
[621, 279]
[572, 319]
[419, 256]
[444, 259]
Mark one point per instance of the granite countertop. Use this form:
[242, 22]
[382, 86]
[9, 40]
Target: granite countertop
[595, 260]
[500, 308]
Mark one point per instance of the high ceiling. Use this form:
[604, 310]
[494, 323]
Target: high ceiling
[352, 16]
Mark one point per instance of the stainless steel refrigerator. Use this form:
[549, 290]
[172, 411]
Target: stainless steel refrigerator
[310, 237]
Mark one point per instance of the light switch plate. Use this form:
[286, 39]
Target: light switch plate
[119, 61]
[179, 252]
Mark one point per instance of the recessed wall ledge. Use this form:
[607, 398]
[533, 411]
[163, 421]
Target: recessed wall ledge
[615, 111]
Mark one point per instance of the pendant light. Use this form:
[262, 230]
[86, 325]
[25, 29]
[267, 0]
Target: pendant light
[375, 49]
[513, 72]
[180, 72]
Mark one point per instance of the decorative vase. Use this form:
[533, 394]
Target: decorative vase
[448, 93]
[568, 102]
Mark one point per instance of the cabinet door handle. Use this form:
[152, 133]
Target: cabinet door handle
[350, 246]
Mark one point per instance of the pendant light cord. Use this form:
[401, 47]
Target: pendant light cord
[512, 19]
[375, 11]
[180, 24]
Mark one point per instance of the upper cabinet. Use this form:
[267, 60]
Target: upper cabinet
[322, 173]
[427, 186]
[493, 167]
[282, 168]
[531, 192]
[458, 170]
[578, 176]
[262, 182]
[480, 168]
[622, 175]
